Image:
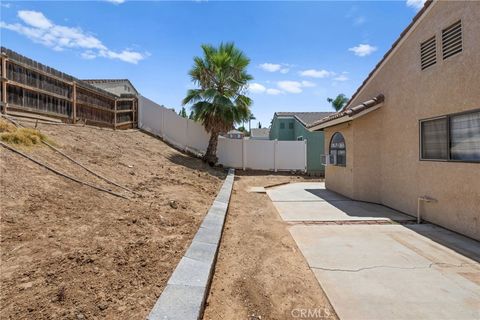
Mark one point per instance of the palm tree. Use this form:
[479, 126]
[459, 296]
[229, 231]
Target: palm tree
[339, 102]
[183, 113]
[250, 118]
[219, 101]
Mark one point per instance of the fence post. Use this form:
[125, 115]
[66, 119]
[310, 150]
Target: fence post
[244, 154]
[4, 84]
[74, 102]
[275, 146]
[115, 116]
[305, 155]
[186, 136]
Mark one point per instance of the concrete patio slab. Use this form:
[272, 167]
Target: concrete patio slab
[297, 192]
[336, 211]
[312, 202]
[394, 272]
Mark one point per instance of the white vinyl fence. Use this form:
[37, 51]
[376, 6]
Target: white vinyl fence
[234, 153]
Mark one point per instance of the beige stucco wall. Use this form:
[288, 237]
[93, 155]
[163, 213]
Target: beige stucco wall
[385, 165]
[340, 179]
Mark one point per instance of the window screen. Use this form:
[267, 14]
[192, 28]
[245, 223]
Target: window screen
[282, 125]
[453, 137]
[465, 137]
[290, 125]
[434, 139]
[338, 149]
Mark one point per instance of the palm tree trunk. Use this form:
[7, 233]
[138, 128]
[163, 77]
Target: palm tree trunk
[210, 156]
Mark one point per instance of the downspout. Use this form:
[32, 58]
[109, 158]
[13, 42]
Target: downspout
[425, 199]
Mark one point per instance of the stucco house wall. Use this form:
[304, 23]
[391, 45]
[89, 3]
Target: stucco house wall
[384, 164]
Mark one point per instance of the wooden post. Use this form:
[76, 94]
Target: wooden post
[4, 84]
[74, 102]
[135, 113]
[115, 116]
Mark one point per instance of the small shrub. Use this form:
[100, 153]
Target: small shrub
[6, 126]
[20, 136]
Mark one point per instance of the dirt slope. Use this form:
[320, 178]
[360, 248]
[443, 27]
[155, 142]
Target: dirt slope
[69, 251]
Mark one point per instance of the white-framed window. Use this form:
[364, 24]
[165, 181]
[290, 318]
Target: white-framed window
[300, 138]
[454, 137]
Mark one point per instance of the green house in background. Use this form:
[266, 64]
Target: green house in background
[290, 126]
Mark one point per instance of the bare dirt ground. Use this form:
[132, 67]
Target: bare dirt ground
[72, 252]
[260, 273]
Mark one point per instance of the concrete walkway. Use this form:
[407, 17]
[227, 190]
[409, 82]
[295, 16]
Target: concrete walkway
[388, 271]
[312, 202]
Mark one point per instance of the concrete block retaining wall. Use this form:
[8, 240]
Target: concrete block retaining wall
[184, 296]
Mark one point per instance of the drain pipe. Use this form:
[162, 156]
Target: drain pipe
[425, 199]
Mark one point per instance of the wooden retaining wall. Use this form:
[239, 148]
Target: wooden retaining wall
[31, 87]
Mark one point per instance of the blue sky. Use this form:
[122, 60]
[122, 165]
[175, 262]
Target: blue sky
[301, 52]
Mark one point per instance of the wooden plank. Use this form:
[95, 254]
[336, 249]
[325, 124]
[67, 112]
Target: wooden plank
[105, 94]
[30, 115]
[46, 74]
[37, 90]
[87, 105]
[124, 123]
[124, 111]
[36, 111]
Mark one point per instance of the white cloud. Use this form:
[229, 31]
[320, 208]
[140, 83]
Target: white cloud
[341, 77]
[259, 88]
[363, 50]
[273, 92]
[308, 84]
[35, 19]
[416, 4]
[40, 29]
[290, 86]
[256, 88]
[274, 67]
[116, 1]
[316, 73]
[358, 21]
[5, 5]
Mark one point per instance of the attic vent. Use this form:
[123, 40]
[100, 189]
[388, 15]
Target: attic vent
[428, 53]
[452, 40]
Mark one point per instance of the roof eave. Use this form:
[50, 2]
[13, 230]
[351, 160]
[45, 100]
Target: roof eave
[344, 118]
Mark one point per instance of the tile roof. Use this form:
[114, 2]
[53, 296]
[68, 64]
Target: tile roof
[350, 112]
[306, 118]
[260, 132]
